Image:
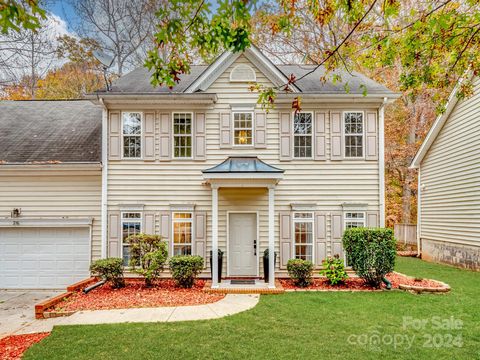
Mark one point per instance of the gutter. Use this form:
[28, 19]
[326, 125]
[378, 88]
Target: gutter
[104, 203]
[381, 162]
[52, 166]
[419, 211]
[158, 98]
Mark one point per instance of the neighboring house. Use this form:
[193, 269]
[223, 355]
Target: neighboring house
[448, 164]
[202, 165]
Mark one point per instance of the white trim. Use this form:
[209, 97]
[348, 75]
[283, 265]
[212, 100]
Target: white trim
[182, 207]
[139, 220]
[192, 228]
[363, 135]
[191, 135]
[104, 201]
[131, 207]
[214, 268]
[252, 129]
[242, 107]
[312, 135]
[354, 207]
[141, 135]
[258, 240]
[381, 162]
[251, 175]
[312, 221]
[271, 237]
[44, 222]
[243, 80]
[303, 207]
[419, 209]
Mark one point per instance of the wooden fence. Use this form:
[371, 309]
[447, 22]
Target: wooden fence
[406, 233]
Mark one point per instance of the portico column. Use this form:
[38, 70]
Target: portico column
[271, 236]
[214, 236]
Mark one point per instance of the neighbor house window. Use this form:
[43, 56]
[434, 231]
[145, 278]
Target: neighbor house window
[243, 128]
[182, 135]
[182, 233]
[132, 135]
[353, 134]
[354, 220]
[303, 228]
[131, 225]
[302, 135]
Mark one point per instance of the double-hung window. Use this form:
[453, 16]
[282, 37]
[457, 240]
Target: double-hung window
[353, 129]
[132, 135]
[131, 225]
[302, 135]
[243, 128]
[354, 220]
[182, 135]
[303, 230]
[182, 233]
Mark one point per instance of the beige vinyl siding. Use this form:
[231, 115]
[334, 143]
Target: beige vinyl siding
[54, 194]
[327, 183]
[450, 174]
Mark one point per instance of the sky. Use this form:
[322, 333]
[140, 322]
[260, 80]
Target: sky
[63, 10]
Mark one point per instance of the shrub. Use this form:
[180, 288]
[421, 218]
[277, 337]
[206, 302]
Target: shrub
[185, 269]
[334, 270]
[148, 255]
[371, 252]
[300, 271]
[111, 270]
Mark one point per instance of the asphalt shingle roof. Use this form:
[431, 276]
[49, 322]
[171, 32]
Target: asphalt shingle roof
[50, 131]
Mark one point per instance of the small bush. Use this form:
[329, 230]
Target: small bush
[371, 252]
[111, 270]
[148, 255]
[300, 271]
[185, 269]
[334, 270]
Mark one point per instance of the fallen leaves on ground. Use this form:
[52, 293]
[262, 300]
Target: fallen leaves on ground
[12, 347]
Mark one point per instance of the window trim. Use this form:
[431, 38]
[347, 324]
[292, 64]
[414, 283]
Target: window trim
[363, 135]
[142, 117]
[242, 80]
[253, 128]
[350, 220]
[312, 135]
[191, 135]
[122, 220]
[294, 243]
[192, 237]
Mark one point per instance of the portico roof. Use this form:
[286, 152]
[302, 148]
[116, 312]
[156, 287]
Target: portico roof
[237, 165]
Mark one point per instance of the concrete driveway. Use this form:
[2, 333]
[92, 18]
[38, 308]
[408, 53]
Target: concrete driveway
[17, 308]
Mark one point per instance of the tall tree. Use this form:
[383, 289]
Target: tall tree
[16, 15]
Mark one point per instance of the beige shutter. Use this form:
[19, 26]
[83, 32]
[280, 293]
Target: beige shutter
[114, 235]
[201, 234]
[225, 130]
[285, 137]
[336, 136]
[285, 238]
[336, 234]
[372, 219]
[149, 223]
[260, 130]
[165, 137]
[149, 136]
[371, 136]
[320, 135]
[320, 238]
[114, 136]
[200, 142]
[165, 230]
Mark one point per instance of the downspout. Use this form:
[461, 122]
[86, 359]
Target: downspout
[104, 214]
[419, 210]
[381, 158]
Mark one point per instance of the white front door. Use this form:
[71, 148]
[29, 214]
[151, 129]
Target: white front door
[242, 238]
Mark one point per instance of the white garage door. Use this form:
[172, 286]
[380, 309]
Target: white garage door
[43, 258]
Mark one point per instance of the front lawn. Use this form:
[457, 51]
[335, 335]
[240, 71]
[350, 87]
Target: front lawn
[315, 325]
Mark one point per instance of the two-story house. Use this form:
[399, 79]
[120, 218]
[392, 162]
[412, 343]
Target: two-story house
[205, 167]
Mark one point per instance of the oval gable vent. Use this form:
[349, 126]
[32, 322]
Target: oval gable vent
[242, 72]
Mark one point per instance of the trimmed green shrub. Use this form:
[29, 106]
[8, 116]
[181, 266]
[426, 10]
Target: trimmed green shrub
[111, 270]
[300, 271]
[185, 268]
[371, 252]
[148, 255]
[334, 270]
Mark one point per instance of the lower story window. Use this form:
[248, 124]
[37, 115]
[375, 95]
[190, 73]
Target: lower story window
[354, 220]
[303, 228]
[131, 225]
[182, 233]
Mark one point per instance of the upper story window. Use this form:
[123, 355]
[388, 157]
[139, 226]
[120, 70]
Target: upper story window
[302, 135]
[303, 230]
[182, 135]
[182, 233]
[131, 225]
[243, 73]
[243, 128]
[132, 135]
[353, 134]
[354, 220]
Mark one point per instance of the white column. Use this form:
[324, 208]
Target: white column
[104, 210]
[381, 161]
[271, 237]
[214, 236]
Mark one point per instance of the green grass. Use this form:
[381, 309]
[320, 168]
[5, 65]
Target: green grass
[295, 325]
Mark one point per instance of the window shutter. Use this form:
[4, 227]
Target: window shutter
[372, 219]
[320, 238]
[336, 234]
[201, 234]
[114, 136]
[285, 238]
[371, 134]
[149, 224]
[336, 137]
[165, 137]
[285, 137]
[225, 131]
[260, 130]
[149, 136]
[320, 135]
[165, 230]
[114, 237]
[200, 145]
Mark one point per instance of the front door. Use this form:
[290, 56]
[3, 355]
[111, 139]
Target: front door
[242, 244]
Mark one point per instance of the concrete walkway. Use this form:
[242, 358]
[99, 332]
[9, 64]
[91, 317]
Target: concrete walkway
[229, 305]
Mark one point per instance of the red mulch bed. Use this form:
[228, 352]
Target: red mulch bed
[12, 347]
[135, 295]
[357, 284]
